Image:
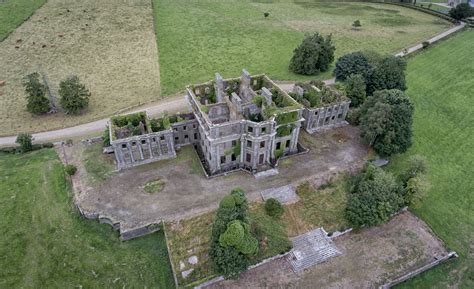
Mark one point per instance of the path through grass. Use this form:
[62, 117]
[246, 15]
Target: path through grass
[441, 84]
[46, 244]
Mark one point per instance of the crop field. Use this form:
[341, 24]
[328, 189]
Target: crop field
[441, 85]
[198, 38]
[110, 45]
[46, 243]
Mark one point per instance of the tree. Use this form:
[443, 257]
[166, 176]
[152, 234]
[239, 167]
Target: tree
[274, 208]
[355, 89]
[462, 11]
[231, 241]
[352, 63]
[387, 73]
[386, 121]
[74, 95]
[25, 140]
[313, 55]
[373, 198]
[37, 102]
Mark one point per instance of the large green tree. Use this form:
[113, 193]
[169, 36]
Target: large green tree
[74, 95]
[36, 101]
[355, 89]
[373, 198]
[386, 120]
[352, 63]
[313, 55]
[231, 241]
[461, 11]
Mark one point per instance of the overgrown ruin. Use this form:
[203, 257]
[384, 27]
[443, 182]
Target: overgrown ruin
[237, 123]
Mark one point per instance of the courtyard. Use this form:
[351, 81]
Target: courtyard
[121, 197]
[370, 258]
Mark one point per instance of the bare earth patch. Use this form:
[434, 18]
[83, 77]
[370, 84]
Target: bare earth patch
[370, 258]
[188, 193]
[111, 47]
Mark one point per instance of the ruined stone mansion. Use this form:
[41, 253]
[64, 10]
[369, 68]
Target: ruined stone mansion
[239, 123]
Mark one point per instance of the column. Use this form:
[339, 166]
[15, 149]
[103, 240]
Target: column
[140, 149]
[129, 147]
[150, 148]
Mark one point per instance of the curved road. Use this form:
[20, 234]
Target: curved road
[175, 103]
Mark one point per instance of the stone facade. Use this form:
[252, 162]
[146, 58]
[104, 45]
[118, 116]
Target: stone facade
[237, 123]
[325, 115]
[234, 131]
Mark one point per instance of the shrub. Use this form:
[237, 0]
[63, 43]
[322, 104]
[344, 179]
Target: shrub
[228, 202]
[266, 14]
[356, 24]
[461, 11]
[425, 44]
[70, 169]
[274, 208]
[374, 197]
[313, 55]
[415, 190]
[25, 140]
[416, 167]
[106, 137]
[353, 116]
[386, 120]
[355, 89]
[74, 95]
[37, 102]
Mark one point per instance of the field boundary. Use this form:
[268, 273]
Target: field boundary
[24, 20]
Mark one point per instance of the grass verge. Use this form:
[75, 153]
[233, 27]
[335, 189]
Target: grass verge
[440, 84]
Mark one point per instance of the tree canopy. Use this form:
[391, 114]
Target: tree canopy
[313, 55]
[373, 198]
[386, 120]
[461, 11]
[74, 95]
[37, 102]
[355, 89]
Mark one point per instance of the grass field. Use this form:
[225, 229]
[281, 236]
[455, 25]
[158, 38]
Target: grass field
[46, 244]
[13, 13]
[198, 38]
[441, 85]
[111, 47]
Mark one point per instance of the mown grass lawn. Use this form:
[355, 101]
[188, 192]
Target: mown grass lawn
[198, 38]
[45, 243]
[441, 84]
[14, 12]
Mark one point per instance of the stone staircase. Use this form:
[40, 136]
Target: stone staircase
[312, 248]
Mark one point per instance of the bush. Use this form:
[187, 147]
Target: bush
[25, 140]
[74, 95]
[355, 89]
[356, 24]
[425, 44]
[274, 208]
[70, 169]
[461, 11]
[37, 102]
[416, 167]
[373, 198]
[352, 63]
[415, 190]
[313, 55]
[106, 137]
[386, 120]
[353, 116]
[266, 14]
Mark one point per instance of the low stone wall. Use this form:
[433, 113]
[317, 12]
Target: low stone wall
[419, 270]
